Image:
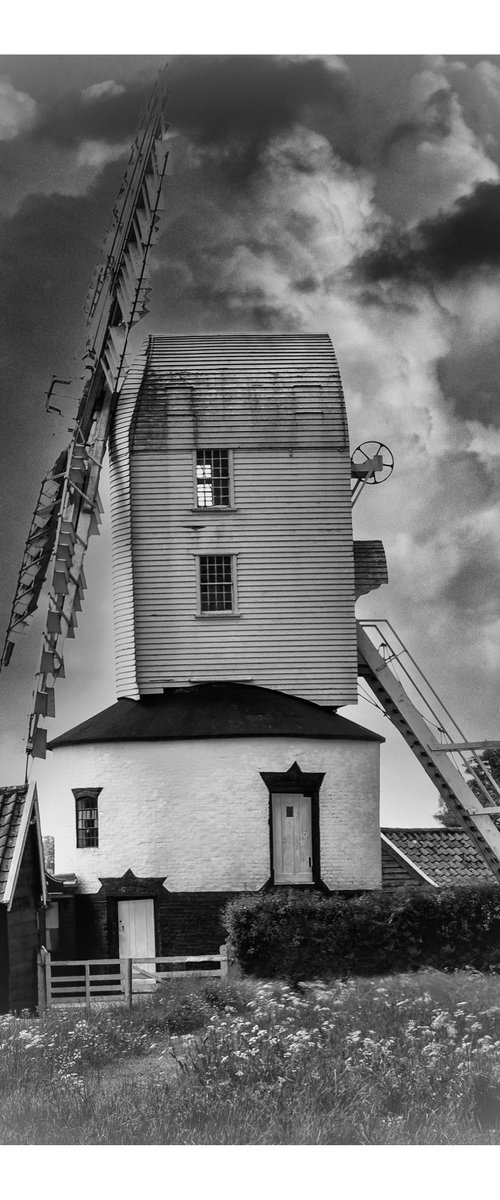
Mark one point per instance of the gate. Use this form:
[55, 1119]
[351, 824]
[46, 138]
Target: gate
[78, 982]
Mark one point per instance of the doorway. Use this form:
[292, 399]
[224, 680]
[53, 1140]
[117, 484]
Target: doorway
[136, 939]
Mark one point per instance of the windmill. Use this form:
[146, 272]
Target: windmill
[68, 507]
[67, 513]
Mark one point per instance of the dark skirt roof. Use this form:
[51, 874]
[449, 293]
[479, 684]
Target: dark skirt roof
[214, 710]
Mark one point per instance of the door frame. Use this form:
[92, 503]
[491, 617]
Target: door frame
[306, 783]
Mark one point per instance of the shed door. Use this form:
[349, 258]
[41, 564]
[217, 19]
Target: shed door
[136, 939]
[292, 838]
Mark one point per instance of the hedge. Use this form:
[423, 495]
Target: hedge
[300, 935]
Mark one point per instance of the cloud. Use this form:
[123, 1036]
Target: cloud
[108, 87]
[443, 248]
[17, 111]
[108, 113]
[478, 88]
[223, 99]
[432, 155]
[97, 153]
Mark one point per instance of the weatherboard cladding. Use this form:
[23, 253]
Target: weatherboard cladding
[276, 401]
[214, 711]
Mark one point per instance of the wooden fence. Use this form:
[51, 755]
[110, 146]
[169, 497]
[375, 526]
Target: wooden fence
[80, 981]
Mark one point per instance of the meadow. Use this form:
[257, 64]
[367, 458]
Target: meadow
[399, 1060]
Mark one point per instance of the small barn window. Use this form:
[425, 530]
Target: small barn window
[87, 820]
[217, 583]
[213, 479]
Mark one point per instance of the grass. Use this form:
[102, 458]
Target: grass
[403, 1060]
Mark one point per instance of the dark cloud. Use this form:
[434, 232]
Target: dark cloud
[226, 98]
[307, 285]
[71, 119]
[216, 101]
[443, 248]
[436, 122]
[472, 591]
[469, 378]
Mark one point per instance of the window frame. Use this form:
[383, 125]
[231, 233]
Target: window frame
[81, 795]
[208, 508]
[204, 614]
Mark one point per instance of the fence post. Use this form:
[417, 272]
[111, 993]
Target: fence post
[40, 977]
[87, 986]
[224, 961]
[48, 977]
[128, 977]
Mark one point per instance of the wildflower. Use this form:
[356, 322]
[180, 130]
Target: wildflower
[431, 1051]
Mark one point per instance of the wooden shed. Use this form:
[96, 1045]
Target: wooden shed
[23, 896]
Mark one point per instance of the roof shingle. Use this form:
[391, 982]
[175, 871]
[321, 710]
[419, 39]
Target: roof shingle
[447, 855]
[12, 801]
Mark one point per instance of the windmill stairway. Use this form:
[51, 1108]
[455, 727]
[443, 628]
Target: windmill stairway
[439, 759]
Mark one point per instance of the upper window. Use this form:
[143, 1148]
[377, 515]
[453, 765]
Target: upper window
[217, 583]
[87, 820]
[213, 479]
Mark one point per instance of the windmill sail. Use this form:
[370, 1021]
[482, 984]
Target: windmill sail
[68, 508]
[37, 554]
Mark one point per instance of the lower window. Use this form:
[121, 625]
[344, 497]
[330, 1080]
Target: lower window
[87, 817]
[217, 583]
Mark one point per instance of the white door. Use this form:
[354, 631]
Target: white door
[292, 838]
[136, 939]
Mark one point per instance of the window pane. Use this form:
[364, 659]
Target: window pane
[87, 830]
[212, 478]
[216, 583]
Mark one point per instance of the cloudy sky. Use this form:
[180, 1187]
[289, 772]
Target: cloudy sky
[354, 195]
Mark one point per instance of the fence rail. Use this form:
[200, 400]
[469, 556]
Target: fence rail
[79, 981]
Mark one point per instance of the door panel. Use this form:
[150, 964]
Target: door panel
[292, 838]
[136, 937]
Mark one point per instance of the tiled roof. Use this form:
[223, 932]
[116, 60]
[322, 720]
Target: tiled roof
[447, 855]
[12, 800]
[214, 710]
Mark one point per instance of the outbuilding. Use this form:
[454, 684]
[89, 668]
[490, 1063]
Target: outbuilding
[23, 896]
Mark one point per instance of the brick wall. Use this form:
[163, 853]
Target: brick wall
[185, 922]
[196, 814]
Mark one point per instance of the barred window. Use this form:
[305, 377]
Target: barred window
[213, 479]
[87, 821]
[216, 583]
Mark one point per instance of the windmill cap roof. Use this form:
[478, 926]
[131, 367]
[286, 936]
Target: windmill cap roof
[214, 710]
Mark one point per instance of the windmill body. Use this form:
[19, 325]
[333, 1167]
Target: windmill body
[223, 767]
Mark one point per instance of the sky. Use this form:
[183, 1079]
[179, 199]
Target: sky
[353, 194]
